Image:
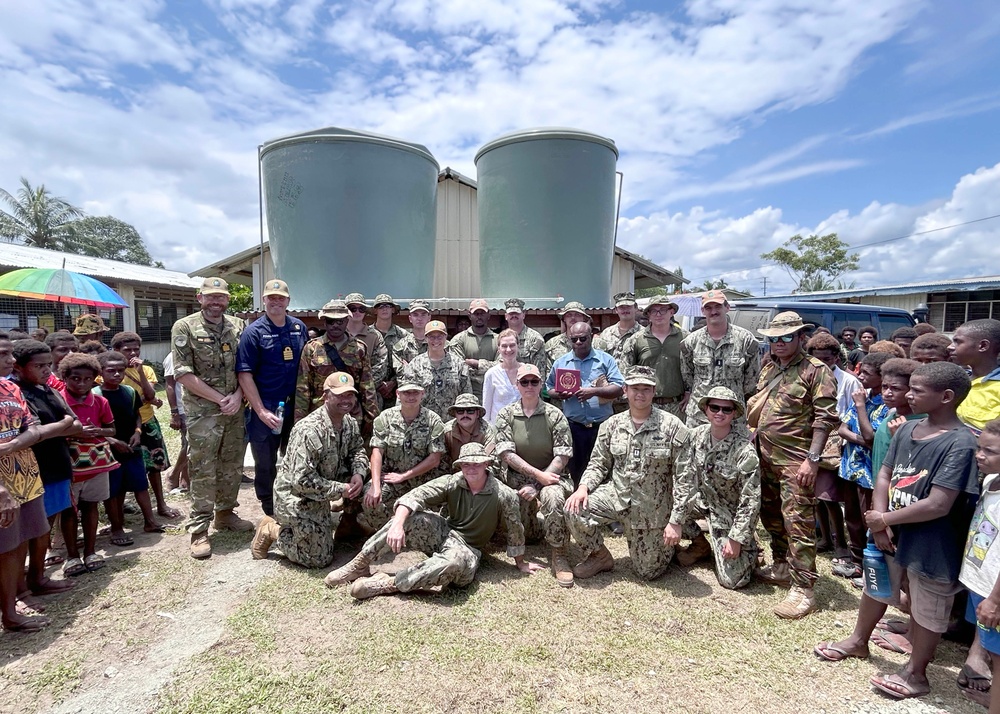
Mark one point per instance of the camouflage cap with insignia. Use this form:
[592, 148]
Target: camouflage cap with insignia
[89, 324]
[640, 374]
[339, 383]
[385, 299]
[514, 305]
[214, 286]
[574, 307]
[722, 394]
[473, 453]
[419, 305]
[355, 299]
[625, 299]
[275, 287]
[335, 310]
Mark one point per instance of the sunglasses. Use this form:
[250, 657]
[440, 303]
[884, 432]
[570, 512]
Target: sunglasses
[581, 338]
[716, 408]
[467, 411]
[335, 320]
[358, 308]
[529, 382]
[784, 338]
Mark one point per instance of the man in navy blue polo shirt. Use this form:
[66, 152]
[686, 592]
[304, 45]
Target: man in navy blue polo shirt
[267, 365]
[594, 377]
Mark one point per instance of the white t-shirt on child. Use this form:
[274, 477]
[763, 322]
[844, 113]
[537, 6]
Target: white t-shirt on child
[981, 562]
[168, 371]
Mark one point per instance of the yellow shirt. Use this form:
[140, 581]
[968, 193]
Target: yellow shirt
[982, 405]
[147, 411]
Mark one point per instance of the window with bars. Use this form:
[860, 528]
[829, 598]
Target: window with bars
[949, 310]
[154, 318]
[20, 314]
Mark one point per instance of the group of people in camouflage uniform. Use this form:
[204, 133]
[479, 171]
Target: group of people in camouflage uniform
[385, 432]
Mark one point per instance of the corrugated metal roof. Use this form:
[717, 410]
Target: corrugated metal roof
[23, 256]
[986, 282]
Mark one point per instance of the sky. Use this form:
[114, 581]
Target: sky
[739, 124]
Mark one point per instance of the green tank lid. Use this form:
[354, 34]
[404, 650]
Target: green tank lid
[545, 133]
[333, 133]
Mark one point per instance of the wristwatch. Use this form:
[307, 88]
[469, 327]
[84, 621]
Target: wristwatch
[813, 457]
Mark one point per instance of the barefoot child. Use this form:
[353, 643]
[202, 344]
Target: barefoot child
[130, 471]
[919, 518]
[92, 459]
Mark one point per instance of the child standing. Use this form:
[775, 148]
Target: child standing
[932, 347]
[92, 459]
[61, 344]
[919, 519]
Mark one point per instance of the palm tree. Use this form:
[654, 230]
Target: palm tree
[36, 217]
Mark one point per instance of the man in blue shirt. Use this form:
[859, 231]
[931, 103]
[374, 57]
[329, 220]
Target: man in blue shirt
[599, 380]
[267, 365]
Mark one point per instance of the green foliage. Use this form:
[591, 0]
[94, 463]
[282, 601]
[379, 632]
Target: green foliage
[36, 217]
[240, 299]
[719, 284]
[813, 260]
[651, 292]
[107, 237]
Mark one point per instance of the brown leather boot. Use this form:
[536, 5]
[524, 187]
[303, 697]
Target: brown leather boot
[797, 604]
[561, 569]
[267, 532]
[356, 568]
[378, 584]
[227, 520]
[599, 561]
[699, 549]
[201, 547]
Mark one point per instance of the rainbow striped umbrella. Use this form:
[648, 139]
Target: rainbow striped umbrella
[59, 285]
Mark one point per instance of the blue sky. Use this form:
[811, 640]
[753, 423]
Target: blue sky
[739, 123]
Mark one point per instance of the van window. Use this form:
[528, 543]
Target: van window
[813, 317]
[890, 323]
[751, 318]
[856, 319]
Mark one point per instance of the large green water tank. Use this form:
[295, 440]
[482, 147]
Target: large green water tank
[349, 211]
[546, 216]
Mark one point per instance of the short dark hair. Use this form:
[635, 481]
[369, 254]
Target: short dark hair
[985, 329]
[992, 427]
[122, 338]
[877, 359]
[40, 333]
[945, 375]
[4, 335]
[92, 347]
[924, 328]
[822, 341]
[17, 334]
[77, 360]
[898, 367]
[890, 348]
[868, 329]
[848, 328]
[933, 341]
[24, 350]
[105, 357]
[906, 333]
[61, 336]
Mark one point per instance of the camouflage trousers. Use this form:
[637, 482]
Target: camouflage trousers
[215, 450]
[788, 512]
[650, 556]
[731, 574]
[543, 516]
[308, 542]
[450, 560]
[377, 516]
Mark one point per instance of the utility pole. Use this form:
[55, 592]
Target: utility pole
[765, 287]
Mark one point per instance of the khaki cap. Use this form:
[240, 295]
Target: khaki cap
[784, 323]
[713, 296]
[479, 304]
[335, 310]
[89, 324]
[473, 453]
[725, 394]
[528, 370]
[276, 287]
[339, 383]
[435, 326]
[466, 401]
[214, 286]
[639, 374]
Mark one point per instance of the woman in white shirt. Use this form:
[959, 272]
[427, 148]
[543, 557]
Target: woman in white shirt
[500, 381]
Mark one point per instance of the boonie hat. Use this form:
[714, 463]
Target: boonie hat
[339, 383]
[435, 326]
[419, 305]
[725, 393]
[624, 299]
[214, 286]
[661, 300]
[473, 453]
[713, 296]
[528, 370]
[784, 323]
[355, 299]
[89, 324]
[479, 304]
[466, 401]
[574, 307]
[335, 310]
[514, 305]
[386, 299]
[640, 374]
[276, 287]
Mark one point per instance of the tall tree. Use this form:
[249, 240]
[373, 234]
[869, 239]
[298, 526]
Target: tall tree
[814, 260]
[719, 284]
[36, 217]
[107, 237]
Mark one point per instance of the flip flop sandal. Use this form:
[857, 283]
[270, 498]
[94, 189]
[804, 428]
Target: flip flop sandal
[967, 674]
[896, 627]
[122, 540]
[74, 567]
[93, 562]
[54, 559]
[32, 624]
[824, 649]
[891, 642]
[882, 684]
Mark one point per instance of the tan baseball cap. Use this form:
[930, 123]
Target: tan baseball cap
[276, 287]
[339, 383]
[214, 286]
[435, 326]
[713, 296]
[479, 304]
[528, 370]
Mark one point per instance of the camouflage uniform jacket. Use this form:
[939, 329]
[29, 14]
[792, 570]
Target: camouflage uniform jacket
[559, 345]
[405, 445]
[468, 345]
[454, 439]
[643, 348]
[318, 463]
[641, 464]
[562, 441]
[733, 363]
[615, 340]
[442, 383]
[407, 349]
[393, 336]
[723, 476]
[530, 350]
[804, 400]
[207, 351]
[315, 366]
[495, 501]
[378, 354]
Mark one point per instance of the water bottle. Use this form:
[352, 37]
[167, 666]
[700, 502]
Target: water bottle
[876, 572]
[280, 413]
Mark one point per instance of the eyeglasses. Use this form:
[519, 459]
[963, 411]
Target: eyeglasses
[467, 411]
[529, 382]
[716, 408]
[784, 338]
[357, 308]
[658, 311]
[581, 338]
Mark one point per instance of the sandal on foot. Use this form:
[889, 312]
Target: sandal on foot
[53, 559]
[155, 528]
[897, 687]
[103, 530]
[891, 642]
[74, 567]
[32, 624]
[93, 562]
[896, 627]
[967, 675]
[122, 540]
[831, 653]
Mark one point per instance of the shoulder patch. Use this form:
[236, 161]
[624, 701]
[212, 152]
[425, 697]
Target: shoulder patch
[181, 340]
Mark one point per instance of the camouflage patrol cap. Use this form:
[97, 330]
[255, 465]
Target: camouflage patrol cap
[385, 299]
[335, 310]
[275, 287]
[640, 374]
[784, 323]
[513, 305]
[574, 307]
[419, 305]
[466, 401]
[724, 394]
[355, 299]
[435, 326]
[214, 286]
[661, 300]
[713, 296]
[89, 324]
[473, 453]
[625, 299]
[409, 384]
[339, 383]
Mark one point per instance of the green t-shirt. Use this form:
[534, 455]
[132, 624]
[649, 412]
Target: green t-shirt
[880, 444]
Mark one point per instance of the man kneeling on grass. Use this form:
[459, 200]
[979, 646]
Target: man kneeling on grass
[476, 504]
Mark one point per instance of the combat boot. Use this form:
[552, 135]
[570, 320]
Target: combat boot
[201, 547]
[356, 568]
[797, 604]
[227, 520]
[599, 561]
[777, 573]
[378, 584]
[698, 550]
[561, 569]
[267, 532]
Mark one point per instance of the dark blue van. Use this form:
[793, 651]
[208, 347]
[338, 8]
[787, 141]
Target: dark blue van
[755, 313]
